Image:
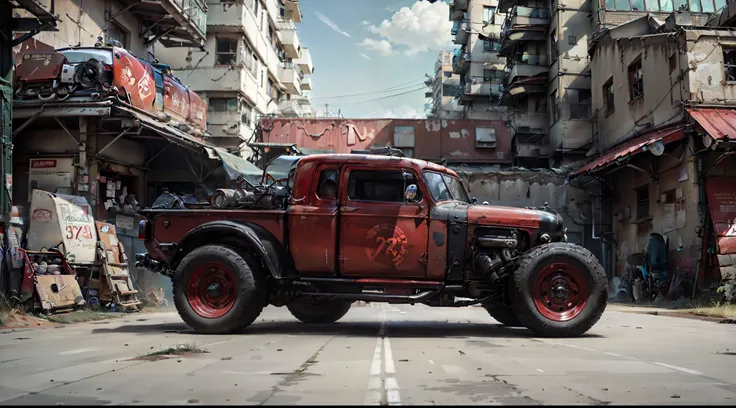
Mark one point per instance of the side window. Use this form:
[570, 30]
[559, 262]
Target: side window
[384, 186]
[327, 185]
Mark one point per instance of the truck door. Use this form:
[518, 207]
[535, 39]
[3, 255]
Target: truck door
[379, 233]
[313, 225]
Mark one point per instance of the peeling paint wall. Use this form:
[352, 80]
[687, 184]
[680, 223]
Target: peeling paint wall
[434, 139]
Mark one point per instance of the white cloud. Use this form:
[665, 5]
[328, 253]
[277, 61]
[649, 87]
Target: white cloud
[401, 112]
[365, 56]
[411, 30]
[331, 24]
[365, 23]
[380, 46]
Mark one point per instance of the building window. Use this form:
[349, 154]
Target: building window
[116, 32]
[485, 138]
[226, 51]
[385, 186]
[696, 6]
[450, 90]
[608, 95]
[327, 185]
[447, 74]
[246, 113]
[540, 105]
[555, 106]
[553, 46]
[642, 202]
[636, 80]
[488, 13]
[492, 75]
[491, 45]
[522, 104]
[579, 102]
[222, 104]
[729, 63]
[572, 40]
[250, 60]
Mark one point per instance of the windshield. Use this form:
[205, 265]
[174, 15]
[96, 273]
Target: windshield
[444, 187]
[75, 56]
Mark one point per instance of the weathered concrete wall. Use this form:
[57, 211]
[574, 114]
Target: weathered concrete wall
[523, 188]
[453, 140]
[662, 89]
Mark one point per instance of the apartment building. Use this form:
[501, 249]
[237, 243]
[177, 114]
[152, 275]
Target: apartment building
[253, 64]
[445, 87]
[663, 96]
[476, 30]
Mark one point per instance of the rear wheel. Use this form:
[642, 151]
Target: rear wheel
[560, 290]
[319, 311]
[218, 290]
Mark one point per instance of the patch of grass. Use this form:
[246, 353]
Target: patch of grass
[714, 309]
[79, 316]
[179, 349]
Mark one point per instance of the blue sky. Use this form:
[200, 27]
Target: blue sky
[364, 46]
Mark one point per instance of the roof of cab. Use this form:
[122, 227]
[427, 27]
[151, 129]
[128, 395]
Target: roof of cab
[374, 159]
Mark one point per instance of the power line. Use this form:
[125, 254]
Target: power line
[384, 97]
[392, 88]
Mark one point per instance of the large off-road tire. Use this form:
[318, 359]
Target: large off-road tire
[503, 314]
[219, 290]
[560, 290]
[320, 311]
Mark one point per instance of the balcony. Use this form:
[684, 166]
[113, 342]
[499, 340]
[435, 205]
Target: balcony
[175, 23]
[527, 65]
[202, 79]
[471, 91]
[289, 78]
[523, 86]
[226, 124]
[460, 31]
[460, 62]
[457, 8]
[289, 39]
[523, 24]
[290, 108]
[306, 83]
[225, 16]
[292, 11]
[305, 62]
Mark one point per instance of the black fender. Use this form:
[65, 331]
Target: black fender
[241, 234]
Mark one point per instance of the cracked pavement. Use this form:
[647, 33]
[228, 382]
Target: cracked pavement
[377, 355]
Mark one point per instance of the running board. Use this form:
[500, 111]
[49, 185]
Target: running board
[377, 297]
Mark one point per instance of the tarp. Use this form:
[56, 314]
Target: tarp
[236, 166]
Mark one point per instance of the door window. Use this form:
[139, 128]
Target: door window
[384, 186]
[327, 185]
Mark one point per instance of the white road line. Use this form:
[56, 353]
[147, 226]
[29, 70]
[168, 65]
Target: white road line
[612, 354]
[681, 369]
[580, 347]
[431, 362]
[631, 358]
[376, 365]
[391, 383]
[389, 358]
[540, 370]
[78, 351]
[393, 397]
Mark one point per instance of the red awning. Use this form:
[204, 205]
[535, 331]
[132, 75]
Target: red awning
[630, 148]
[719, 123]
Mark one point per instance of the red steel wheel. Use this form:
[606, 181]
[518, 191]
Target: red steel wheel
[561, 291]
[211, 290]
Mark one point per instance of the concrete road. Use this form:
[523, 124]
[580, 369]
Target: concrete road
[378, 354]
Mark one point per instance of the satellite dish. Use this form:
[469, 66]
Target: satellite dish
[657, 148]
[707, 140]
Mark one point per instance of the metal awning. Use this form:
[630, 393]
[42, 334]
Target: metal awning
[236, 166]
[631, 147]
[719, 123]
[524, 86]
[173, 135]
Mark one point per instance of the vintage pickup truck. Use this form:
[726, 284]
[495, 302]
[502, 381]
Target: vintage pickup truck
[347, 227]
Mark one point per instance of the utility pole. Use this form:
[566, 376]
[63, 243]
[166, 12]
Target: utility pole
[41, 20]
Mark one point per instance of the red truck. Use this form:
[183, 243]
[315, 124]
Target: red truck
[347, 227]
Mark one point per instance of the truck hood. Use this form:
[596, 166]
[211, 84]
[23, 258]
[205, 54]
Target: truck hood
[491, 215]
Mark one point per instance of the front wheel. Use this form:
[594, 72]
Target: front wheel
[560, 290]
[218, 290]
[319, 311]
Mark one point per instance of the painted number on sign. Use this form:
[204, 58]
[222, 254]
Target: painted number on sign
[78, 232]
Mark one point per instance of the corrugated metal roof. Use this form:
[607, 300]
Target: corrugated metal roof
[630, 148]
[719, 123]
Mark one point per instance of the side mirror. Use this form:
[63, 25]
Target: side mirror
[410, 194]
